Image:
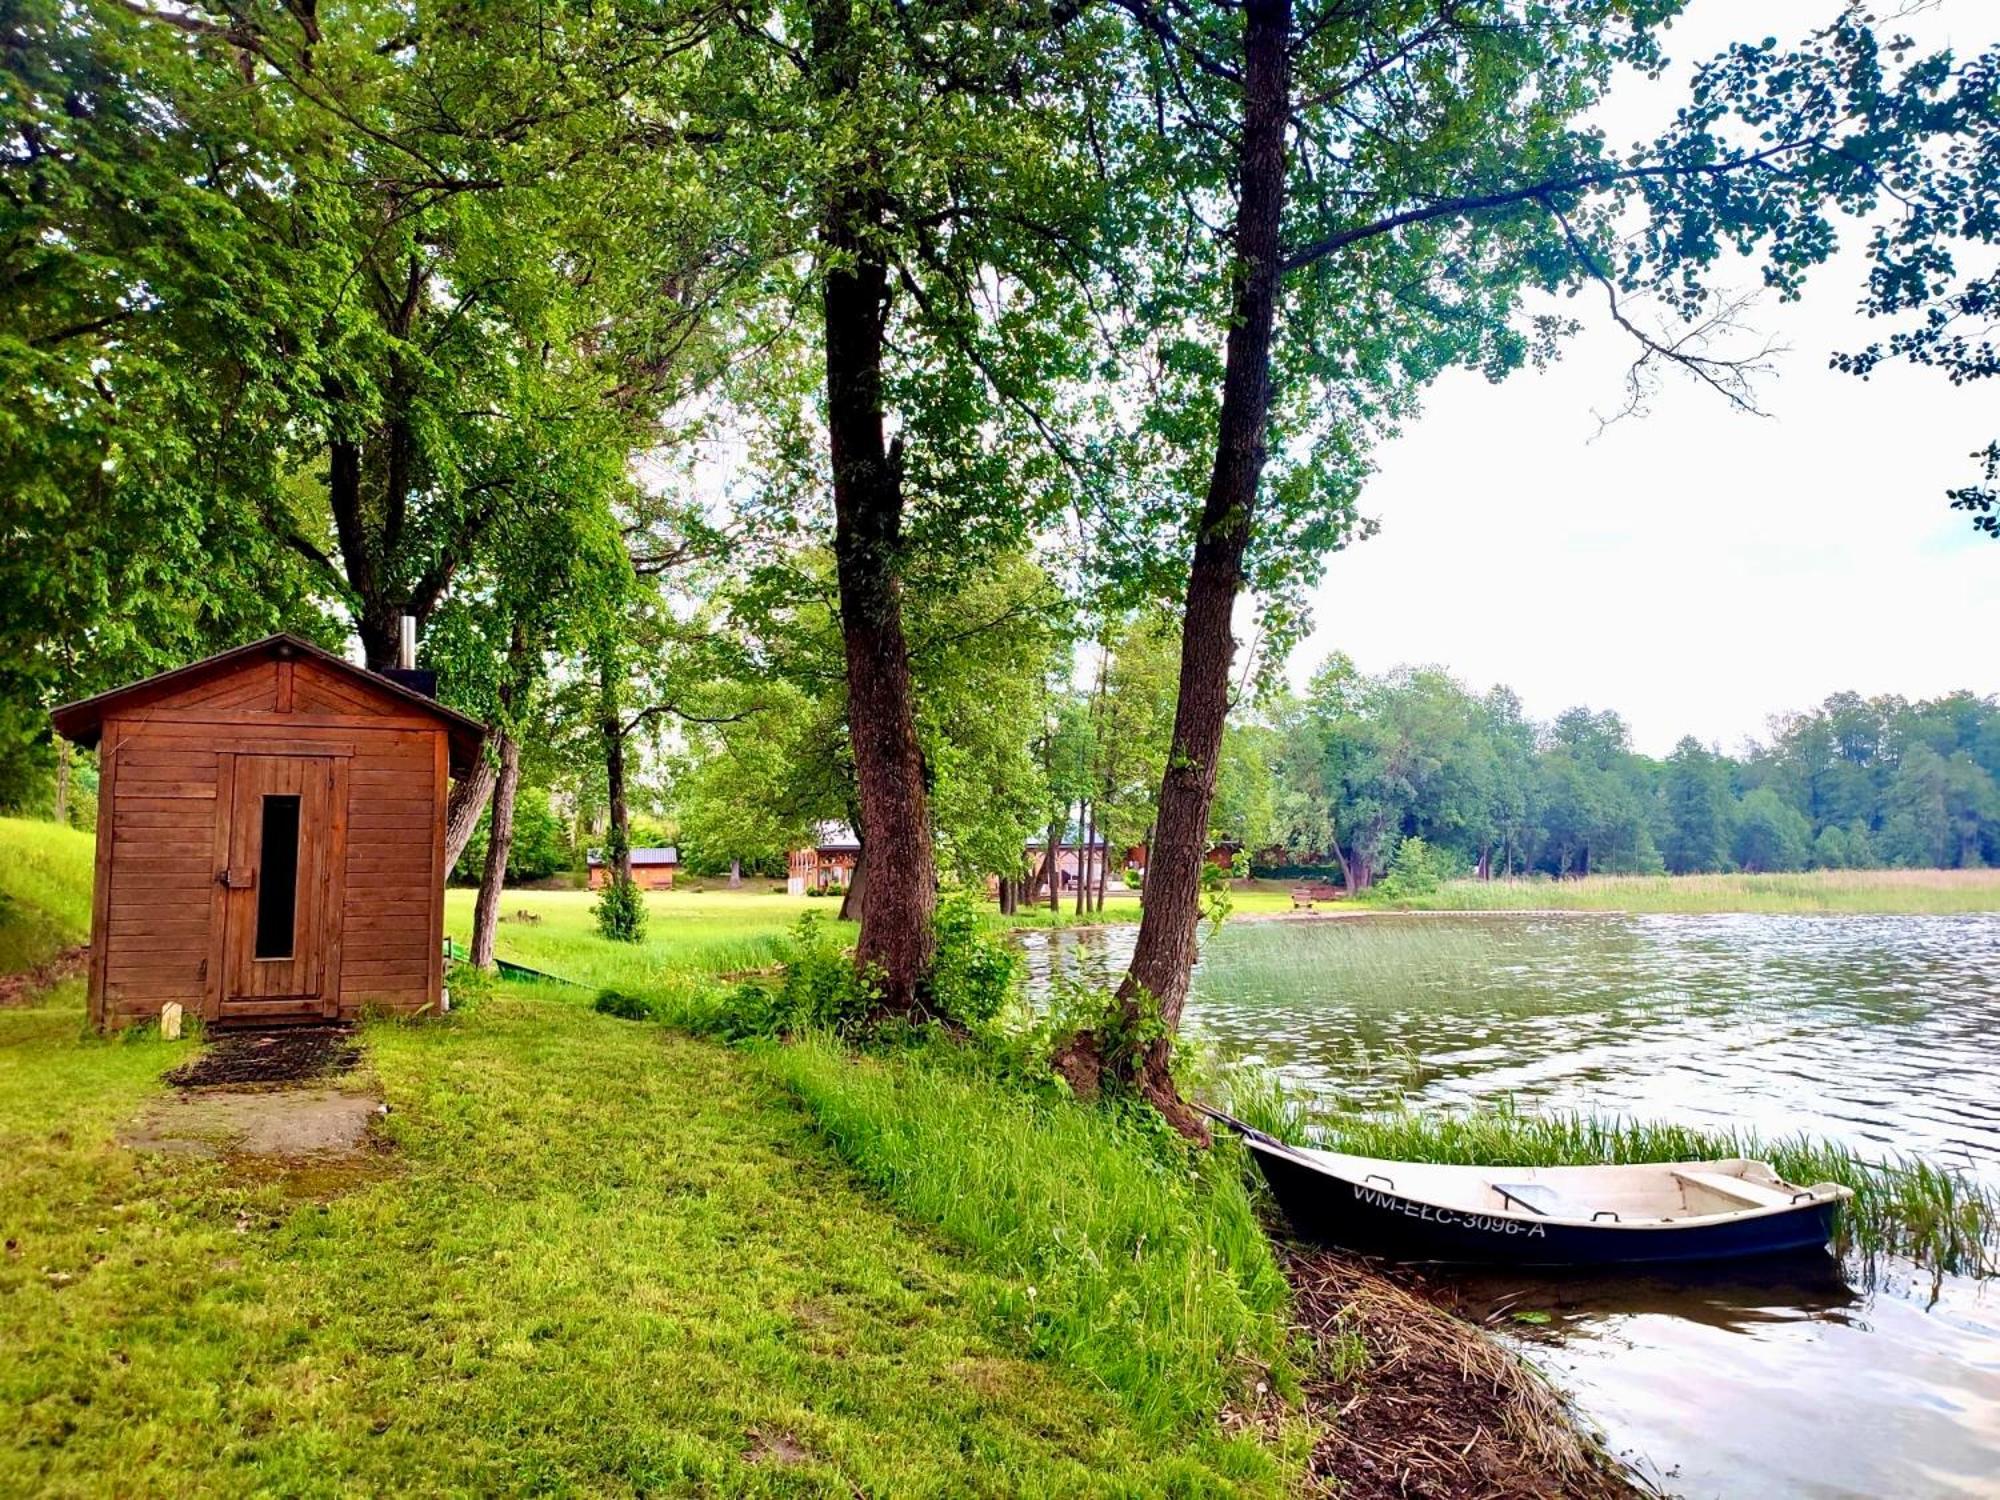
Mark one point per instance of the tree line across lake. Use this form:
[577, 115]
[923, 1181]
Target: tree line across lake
[1338, 779]
[320, 318]
[1360, 764]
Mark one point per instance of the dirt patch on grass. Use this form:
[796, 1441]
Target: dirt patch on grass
[263, 1122]
[779, 1448]
[268, 1103]
[282, 1055]
[1419, 1405]
[19, 989]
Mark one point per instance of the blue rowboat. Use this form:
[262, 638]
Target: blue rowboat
[1545, 1216]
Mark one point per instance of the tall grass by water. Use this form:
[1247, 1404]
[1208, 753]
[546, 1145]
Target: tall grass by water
[1913, 891]
[1123, 1255]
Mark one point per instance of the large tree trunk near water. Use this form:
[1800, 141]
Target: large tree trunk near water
[1163, 957]
[895, 828]
[499, 844]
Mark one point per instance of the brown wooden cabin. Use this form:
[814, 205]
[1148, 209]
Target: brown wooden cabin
[828, 865]
[652, 869]
[270, 838]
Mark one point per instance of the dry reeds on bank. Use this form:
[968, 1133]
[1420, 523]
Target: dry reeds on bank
[1417, 1404]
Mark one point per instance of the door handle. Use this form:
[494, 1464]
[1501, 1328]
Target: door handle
[230, 880]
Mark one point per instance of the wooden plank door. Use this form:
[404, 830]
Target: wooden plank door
[278, 923]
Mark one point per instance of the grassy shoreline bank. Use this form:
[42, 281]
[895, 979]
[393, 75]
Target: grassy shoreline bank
[1022, 1294]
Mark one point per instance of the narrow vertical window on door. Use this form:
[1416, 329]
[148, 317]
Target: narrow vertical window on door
[278, 878]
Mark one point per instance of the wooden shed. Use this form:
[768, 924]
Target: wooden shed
[270, 838]
[652, 869]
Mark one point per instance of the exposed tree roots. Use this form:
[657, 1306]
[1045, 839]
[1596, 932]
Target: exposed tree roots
[1414, 1402]
[1080, 1062]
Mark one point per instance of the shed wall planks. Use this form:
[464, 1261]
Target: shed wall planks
[163, 843]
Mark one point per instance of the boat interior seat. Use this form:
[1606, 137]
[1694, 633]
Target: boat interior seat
[1739, 1189]
[1539, 1198]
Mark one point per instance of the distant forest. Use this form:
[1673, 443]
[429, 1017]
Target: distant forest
[1360, 764]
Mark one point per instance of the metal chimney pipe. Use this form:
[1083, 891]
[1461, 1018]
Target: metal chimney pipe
[406, 643]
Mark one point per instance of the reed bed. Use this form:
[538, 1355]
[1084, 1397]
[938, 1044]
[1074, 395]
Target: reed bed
[1887, 891]
[1430, 1405]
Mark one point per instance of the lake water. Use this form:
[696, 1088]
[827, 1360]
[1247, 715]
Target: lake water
[1882, 1032]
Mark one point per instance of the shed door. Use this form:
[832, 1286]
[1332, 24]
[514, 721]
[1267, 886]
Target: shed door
[279, 921]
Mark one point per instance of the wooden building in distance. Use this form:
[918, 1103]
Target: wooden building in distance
[828, 865]
[270, 838]
[652, 869]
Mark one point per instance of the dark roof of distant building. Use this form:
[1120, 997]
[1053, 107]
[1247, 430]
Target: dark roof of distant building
[670, 855]
[1072, 839]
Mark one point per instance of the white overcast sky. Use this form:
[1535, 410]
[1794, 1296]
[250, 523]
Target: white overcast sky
[1695, 569]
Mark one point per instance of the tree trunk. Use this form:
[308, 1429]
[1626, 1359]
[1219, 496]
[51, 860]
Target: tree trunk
[499, 844]
[1164, 955]
[620, 838]
[62, 781]
[469, 796]
[854, 900]
[736, 874]
[896, 931]
[1085, 817]
[1346, 869]
[1103, 873]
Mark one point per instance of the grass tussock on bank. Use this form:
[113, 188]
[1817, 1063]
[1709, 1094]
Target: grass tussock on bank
[1915, 1209]
[44, 891]
[1916, 892]
[1127, 1256]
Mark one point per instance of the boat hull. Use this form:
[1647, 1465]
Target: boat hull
[1375, 1220]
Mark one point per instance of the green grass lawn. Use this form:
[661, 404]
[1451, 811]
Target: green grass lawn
[589, 1257]
[594, 1258]
[690, 935]
[693, 935]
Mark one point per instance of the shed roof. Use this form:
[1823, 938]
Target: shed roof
[83, 721]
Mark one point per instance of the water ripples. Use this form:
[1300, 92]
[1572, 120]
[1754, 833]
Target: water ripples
[1876, 1031]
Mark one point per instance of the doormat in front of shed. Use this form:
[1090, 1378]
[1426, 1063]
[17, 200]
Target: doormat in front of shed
[282, 1055]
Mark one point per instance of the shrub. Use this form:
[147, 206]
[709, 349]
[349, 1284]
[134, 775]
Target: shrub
[821, 988]
[624, 1006]
[621, 912]
[1417, 870]
[973, 975]
[540, 849]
